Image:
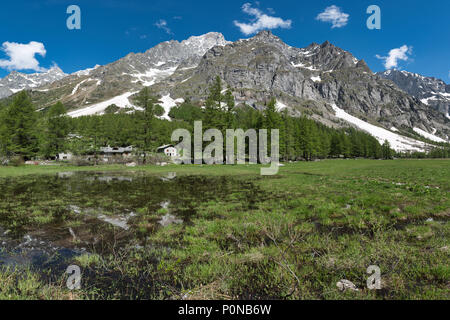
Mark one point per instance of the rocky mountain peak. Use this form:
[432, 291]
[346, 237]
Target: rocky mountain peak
[206, 41]
[266, 36]
[176, 52]
[429, 90]
[55, 69]
[313, 45]
[363, 65]
[17, 81]
[326, 57]
[326, 44]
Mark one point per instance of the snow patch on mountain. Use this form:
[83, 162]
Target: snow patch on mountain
[75, 89]
[429, 136]
[425, 101]
[280, 106]
[398, 142]
[205, 42]
[301, 65]
[120, 101]
[78, 85]
[85, 72]
[168, 103]
[152, 76]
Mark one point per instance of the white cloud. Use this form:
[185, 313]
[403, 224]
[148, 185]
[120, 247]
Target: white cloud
[162, 24]
[22, 56]
[335, 16]
[395, 55]
[261, 21]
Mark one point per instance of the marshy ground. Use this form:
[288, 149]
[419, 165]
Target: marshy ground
[225, 232]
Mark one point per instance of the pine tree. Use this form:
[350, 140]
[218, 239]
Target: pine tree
[272, 120]
[215, 91]
[230, 104]
[57, 129]
[4, 135]
[335, 146]
[20, 121]
[386, 150]
[146, 120]
[346, 145]
[214, 117]
[288, 140]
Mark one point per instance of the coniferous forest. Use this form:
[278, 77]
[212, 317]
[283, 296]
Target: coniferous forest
[29, 134]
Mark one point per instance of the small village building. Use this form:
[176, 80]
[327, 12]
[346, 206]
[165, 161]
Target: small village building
[169, 150]
[65, 156]
[115, 152]
[111, 151]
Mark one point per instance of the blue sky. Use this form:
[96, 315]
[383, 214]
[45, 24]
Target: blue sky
[110, 29]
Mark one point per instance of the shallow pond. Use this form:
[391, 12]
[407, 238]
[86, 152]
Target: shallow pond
[46, 220]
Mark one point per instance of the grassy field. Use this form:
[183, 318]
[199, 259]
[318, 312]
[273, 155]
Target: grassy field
[294, 237]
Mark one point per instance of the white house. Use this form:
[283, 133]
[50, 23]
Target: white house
[65, 156]
[169, 150]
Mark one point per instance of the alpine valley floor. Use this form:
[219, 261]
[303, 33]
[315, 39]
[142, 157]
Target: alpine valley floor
[225, 232]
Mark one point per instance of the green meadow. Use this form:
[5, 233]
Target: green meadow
[230, 233]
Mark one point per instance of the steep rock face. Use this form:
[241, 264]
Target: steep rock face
[361, 93]
[430, 91]
[308, 80]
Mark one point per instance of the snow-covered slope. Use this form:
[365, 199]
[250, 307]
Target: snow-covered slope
[120, 101]
[429, 136]
[135, 71]
[123, 102]
[94, 87]
[153, 75]
[398, 142]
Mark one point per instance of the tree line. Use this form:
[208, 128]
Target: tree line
[29, 134]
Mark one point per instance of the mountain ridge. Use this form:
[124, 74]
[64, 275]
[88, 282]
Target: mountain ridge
[17, 81]
[305, 81]
[309, 80]
[431, 91]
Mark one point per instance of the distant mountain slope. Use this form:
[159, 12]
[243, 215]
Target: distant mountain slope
[17, 81]
[120, 79]
[322, 82]
[306, 81]
[431, 91]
